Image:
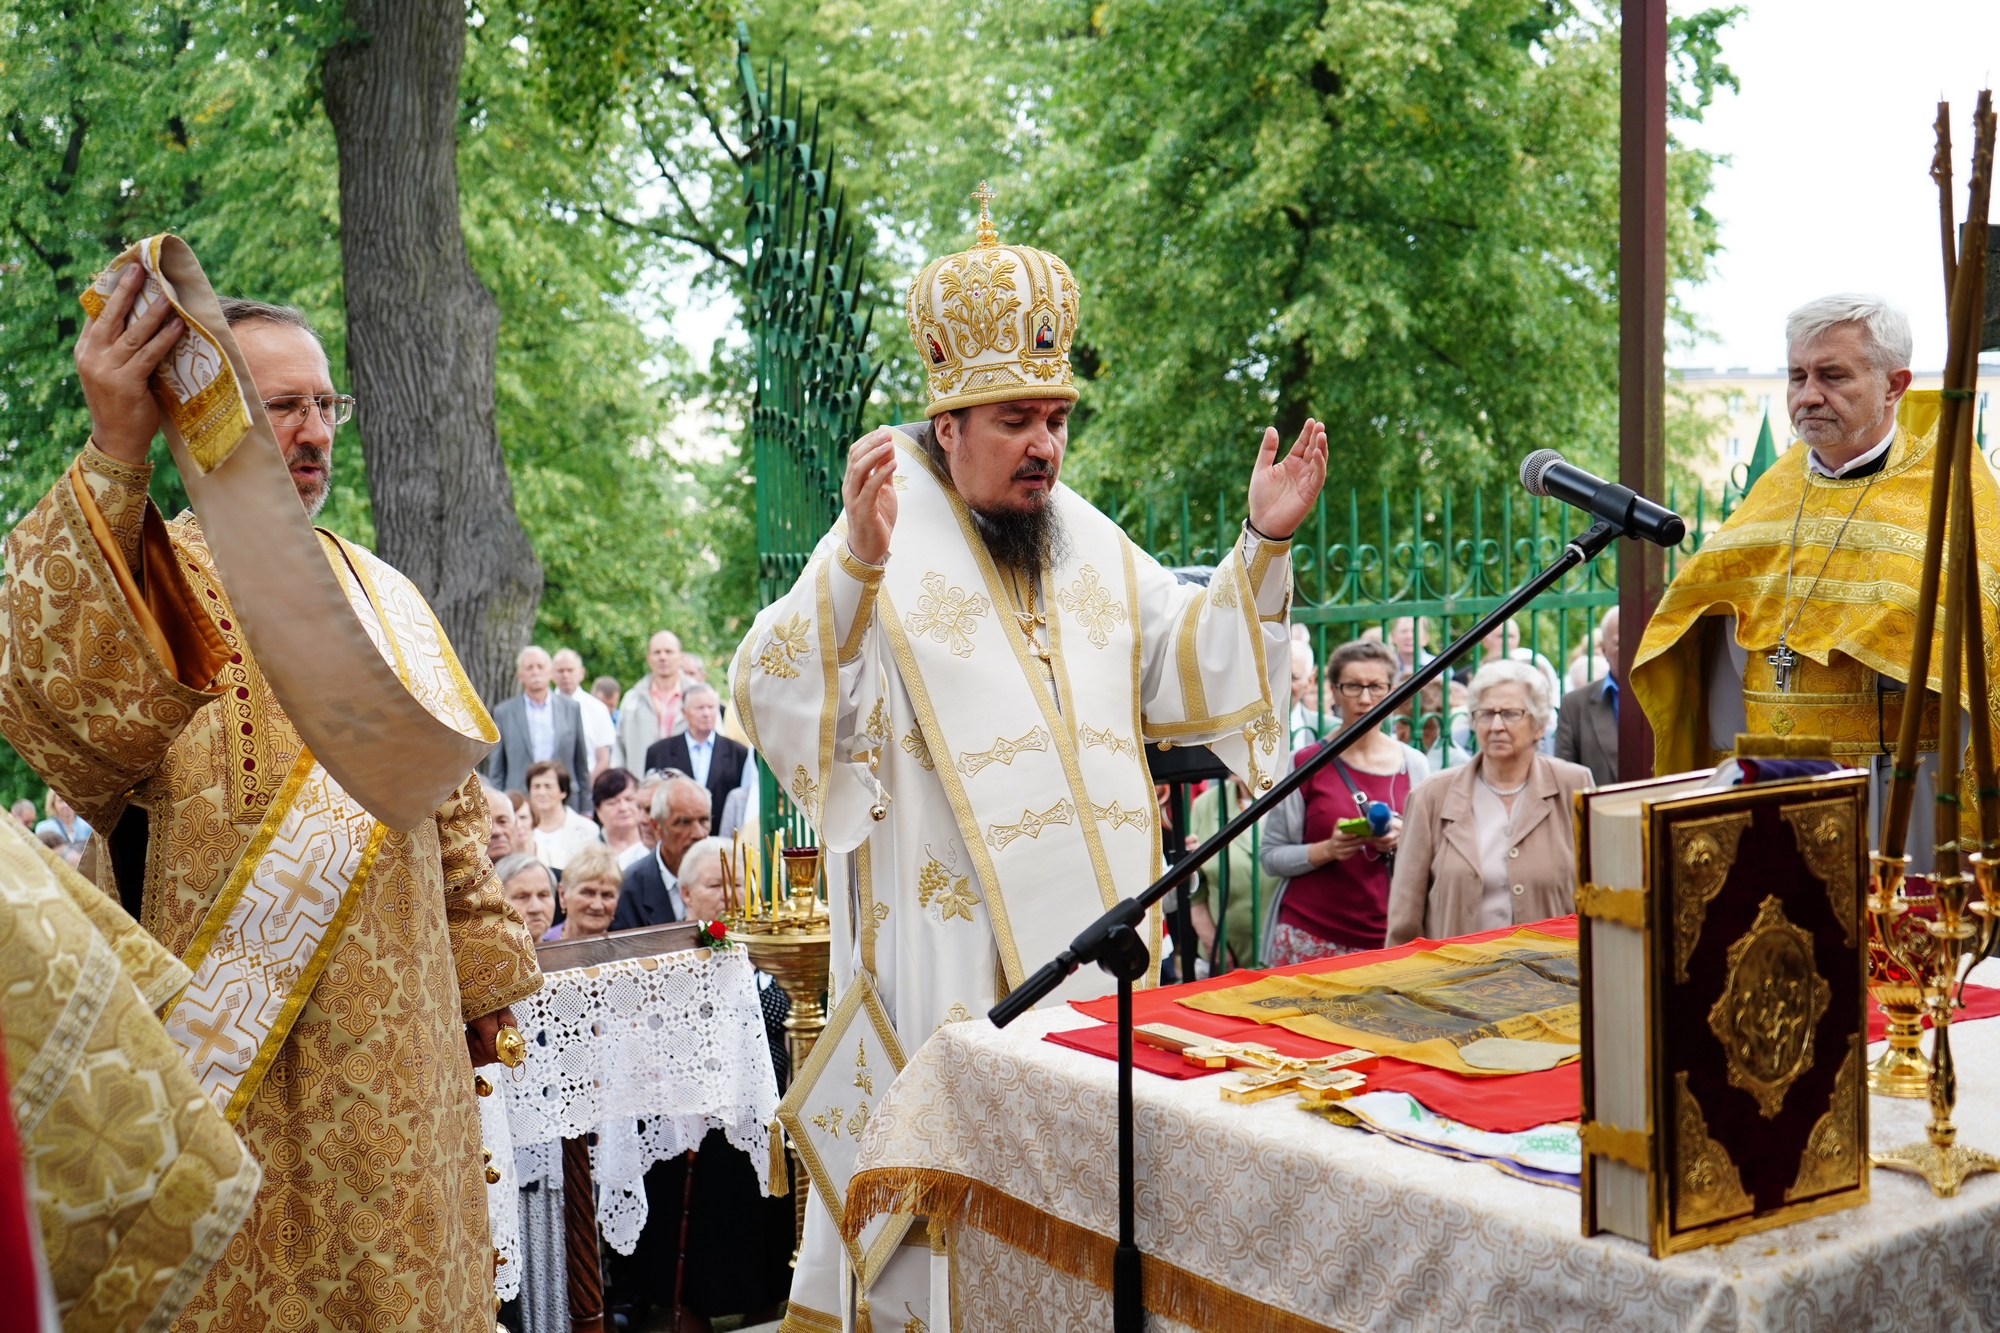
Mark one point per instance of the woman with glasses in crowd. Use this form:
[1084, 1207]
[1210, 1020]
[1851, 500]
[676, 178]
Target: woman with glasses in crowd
[1334, 885]
[1490, 843]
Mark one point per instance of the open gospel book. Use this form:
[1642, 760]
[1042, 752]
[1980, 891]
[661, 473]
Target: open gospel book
[1724, 1016]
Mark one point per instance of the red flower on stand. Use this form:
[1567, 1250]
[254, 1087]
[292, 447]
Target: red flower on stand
[713, 935]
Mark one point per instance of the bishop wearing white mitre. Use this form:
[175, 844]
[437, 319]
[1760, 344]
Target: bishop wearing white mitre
[959, 689]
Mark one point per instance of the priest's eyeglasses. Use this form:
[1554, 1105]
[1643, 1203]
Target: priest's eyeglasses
[334, 408]
[1506, 717]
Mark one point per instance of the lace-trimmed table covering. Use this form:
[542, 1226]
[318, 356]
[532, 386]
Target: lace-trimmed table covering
[1267, 1217]
[650, 1054]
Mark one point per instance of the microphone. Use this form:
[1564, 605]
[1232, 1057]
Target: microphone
[1544, 472]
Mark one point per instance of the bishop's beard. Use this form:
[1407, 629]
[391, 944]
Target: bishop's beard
[1031, 541]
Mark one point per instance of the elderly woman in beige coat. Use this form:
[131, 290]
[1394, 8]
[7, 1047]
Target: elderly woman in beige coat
[1491, 843]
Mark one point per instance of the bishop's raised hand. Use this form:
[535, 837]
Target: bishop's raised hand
[868, 498]
[1282, 492]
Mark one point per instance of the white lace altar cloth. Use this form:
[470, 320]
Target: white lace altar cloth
[1339, 1228]
[650, 1054]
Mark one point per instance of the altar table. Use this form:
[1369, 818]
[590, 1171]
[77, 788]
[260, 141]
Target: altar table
[1266, 1217]
[649, 1054]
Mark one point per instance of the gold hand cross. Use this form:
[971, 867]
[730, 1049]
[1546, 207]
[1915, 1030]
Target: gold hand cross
[1263, 1071]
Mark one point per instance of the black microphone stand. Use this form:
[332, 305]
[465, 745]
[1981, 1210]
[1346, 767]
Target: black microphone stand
[1114, 943]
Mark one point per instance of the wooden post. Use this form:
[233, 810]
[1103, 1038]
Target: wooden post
[581, 1250]
[1642, 340]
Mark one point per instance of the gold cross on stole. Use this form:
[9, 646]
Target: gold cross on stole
[1262, 1071]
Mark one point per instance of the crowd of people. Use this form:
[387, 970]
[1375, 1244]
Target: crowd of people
[61, 830]
[1453, 820]
[612, 808]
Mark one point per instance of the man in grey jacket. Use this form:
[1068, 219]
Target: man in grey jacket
[539, 723]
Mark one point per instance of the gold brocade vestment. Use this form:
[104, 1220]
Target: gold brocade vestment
[1858, 623]
[127, 679]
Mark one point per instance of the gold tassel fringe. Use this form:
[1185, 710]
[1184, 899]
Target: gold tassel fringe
[1081, 1253]
[781, 1184]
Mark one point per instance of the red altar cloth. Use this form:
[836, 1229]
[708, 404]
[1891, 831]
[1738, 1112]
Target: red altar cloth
[1503, 1104]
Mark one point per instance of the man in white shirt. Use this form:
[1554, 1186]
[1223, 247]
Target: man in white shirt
[598, 732]
[704, 754]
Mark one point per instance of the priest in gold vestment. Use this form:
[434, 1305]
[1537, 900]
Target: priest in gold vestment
[958, 694]
[1796, 620]
[135, 1181]
[336, 959]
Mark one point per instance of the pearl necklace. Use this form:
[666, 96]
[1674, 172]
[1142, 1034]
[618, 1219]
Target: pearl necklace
[1511, 791]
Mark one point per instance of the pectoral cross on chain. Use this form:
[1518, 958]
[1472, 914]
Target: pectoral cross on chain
[1782, 663]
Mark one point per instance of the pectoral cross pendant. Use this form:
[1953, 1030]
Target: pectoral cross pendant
[1782, 663]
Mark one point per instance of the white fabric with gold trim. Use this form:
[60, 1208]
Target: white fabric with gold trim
[827, 1108]
[1054, 831]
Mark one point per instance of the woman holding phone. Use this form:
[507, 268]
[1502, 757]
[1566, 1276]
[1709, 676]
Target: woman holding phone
[1333, 861]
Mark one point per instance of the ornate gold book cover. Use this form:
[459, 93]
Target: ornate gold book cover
[1749, 923]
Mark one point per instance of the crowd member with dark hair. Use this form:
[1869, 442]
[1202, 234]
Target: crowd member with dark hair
[559, 830]
[605, 690]
[1334, 894]
[614, 794]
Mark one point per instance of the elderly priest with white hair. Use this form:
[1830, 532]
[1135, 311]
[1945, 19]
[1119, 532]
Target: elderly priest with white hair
[1796, 620]
[959, 690]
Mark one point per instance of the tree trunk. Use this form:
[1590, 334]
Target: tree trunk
[421, 329]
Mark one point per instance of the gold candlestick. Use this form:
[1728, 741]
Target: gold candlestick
[1893, 931]
[1941, 1160]
[792, 939]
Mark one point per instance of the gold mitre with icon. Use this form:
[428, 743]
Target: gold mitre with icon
[993, 323]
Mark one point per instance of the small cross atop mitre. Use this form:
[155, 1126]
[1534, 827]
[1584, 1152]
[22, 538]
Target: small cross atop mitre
[993, 322]
[986, 234]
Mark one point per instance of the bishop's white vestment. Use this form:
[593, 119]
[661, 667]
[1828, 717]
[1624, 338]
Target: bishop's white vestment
[969, 747]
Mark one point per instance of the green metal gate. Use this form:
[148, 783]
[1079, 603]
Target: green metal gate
[810, 340]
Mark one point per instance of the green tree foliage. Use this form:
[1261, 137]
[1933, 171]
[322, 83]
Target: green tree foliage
[203, 118]
[1400, 217]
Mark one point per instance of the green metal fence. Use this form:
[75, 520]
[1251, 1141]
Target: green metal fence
[1416, 570]
[809, 332]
